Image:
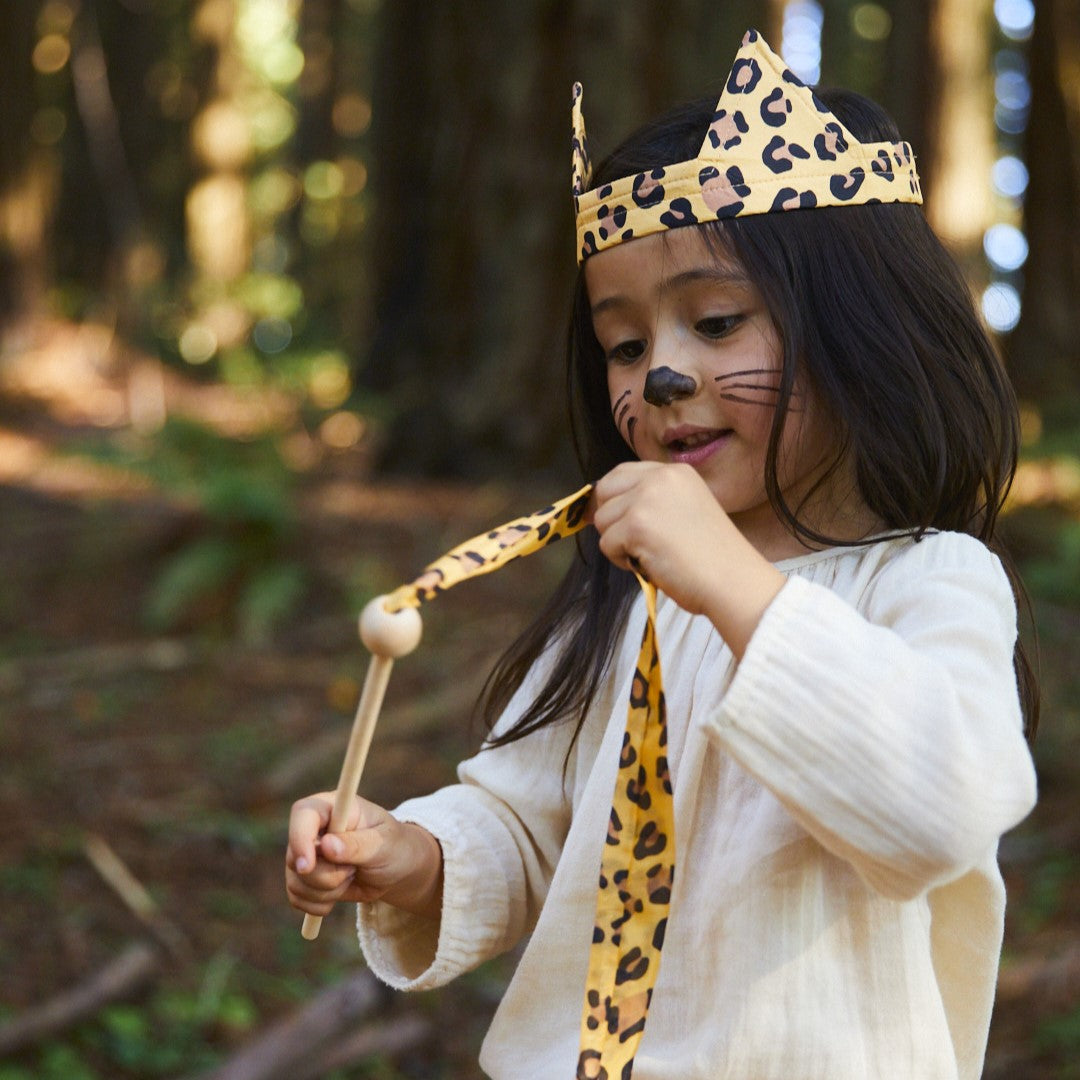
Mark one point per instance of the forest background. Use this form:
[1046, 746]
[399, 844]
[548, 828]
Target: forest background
[283, 287]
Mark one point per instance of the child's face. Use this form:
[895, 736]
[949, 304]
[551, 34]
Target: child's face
[693, 369]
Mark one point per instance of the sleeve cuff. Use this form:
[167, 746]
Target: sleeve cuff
[410, 952]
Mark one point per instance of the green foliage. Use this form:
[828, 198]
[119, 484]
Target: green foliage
[32, 880]
[15, 1072]
[1046, 891]
[60, 1062]
[238, 572]
[1057, 576]
[1060, 1035]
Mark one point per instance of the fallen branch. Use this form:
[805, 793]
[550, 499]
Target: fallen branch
[115, 873]
[385, 1037]
[118, 979]
[283, 1051]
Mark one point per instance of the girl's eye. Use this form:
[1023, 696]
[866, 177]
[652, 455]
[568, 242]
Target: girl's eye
[625, 352]
[718, 326]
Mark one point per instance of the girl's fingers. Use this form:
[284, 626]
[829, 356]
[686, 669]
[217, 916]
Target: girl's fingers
[354, 848]
[327, 877]
[309, 818]
[624, 476]
[325, 883]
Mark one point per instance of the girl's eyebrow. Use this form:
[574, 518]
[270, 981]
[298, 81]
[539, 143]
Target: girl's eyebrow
[713, 275]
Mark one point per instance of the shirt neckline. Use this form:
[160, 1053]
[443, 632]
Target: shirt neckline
[795, 562]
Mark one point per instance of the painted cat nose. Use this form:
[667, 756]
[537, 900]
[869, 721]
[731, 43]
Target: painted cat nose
[664, 385]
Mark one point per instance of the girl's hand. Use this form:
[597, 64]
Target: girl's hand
[663, 521]
[376, 857]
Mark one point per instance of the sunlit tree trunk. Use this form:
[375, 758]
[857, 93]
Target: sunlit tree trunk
[1045, 348]
[216, 212]
[959, 201]
[473, 240]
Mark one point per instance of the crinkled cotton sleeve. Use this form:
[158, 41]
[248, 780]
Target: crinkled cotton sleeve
[501, 830]
[894, 734]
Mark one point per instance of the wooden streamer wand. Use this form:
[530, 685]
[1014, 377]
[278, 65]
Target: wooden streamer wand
[387, 636]
[638, 863]
[390, 626]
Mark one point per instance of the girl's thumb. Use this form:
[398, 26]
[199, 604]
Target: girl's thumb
[344, 850]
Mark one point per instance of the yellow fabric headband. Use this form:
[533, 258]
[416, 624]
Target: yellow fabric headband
[772, 145]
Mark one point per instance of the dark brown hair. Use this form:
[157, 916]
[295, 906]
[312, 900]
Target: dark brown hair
[881, 323]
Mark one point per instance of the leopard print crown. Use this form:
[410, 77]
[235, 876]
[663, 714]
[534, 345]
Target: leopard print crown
[772, 145]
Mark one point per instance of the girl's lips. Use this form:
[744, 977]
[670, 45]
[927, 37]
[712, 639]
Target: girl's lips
[692, 448]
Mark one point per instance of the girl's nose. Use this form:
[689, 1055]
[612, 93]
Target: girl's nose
[664, 385]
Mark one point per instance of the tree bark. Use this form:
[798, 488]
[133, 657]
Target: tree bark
[26, 177]
[120, 978]
[958, 196]
[1044, 350]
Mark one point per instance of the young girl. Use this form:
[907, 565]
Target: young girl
[804, 438]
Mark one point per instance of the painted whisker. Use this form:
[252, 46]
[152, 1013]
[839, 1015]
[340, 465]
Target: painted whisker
[743, 401]
[749, 371]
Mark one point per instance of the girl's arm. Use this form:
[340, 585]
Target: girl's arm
[500, 832]
[893, 733]
[894, 736]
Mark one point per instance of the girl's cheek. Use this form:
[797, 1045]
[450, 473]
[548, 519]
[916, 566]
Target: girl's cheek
[624, 413]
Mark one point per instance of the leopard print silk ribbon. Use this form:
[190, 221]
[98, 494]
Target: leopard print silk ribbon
[638, 865]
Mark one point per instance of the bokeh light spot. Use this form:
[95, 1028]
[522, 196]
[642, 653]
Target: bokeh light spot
[800, 44]
[871, 22]
[351, 115]
[1005, 246]
[272, 335]
[51, 53]
[342, 430]
[1015, 17]
[197, 343]
[329, 383]
[323, 180]
[1001, 307]
[1010, 176]
[48, 126]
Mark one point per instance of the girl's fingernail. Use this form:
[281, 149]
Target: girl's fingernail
[302, 865]
[332, 845]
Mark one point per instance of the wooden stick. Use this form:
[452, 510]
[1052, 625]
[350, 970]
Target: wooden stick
[115, 873]
[119, 978]
[280, 1053]
[387, 1037]
[387, 636]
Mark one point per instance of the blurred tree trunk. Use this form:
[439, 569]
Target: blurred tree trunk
[890, 57]
[320, 25]
[958, 196]
[912, 76]
[473, 232]
[217, 213]
[1045, 347]
[27, 176]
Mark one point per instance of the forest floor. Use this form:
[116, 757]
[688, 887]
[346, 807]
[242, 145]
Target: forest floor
[180, 750]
